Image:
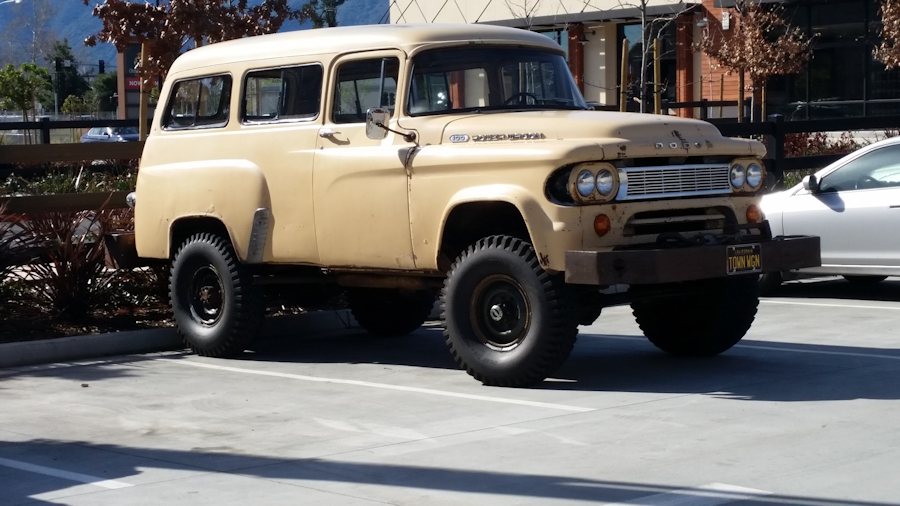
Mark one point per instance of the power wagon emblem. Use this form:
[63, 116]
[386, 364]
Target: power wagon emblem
[457, 138]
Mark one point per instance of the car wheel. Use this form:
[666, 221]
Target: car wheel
[217, 310]
[390, 312]
[865, 280]
[698, 318]
[507, 322]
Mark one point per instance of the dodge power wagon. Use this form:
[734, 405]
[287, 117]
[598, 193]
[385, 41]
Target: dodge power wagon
[403, 165]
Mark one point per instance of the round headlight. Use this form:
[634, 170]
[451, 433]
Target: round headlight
[738, 176]
[605, 182]
[585, 183]
[754, 175]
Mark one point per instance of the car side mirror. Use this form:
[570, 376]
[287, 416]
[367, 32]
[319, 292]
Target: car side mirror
[376, 123]
[811, 183]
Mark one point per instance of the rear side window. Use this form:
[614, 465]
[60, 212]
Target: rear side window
[291, 93]
[199, 103]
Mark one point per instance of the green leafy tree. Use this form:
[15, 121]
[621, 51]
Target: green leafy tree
[103, 93]
[66, 79]
[21, 87]
[171, 26]
[74, 106]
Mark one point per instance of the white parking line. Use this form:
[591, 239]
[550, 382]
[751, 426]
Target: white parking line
[66, 475]
[385, 386]
[822, 304]
[707, 495]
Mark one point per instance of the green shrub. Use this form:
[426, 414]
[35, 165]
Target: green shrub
[59, 178]
[15, 242]
[70, 276]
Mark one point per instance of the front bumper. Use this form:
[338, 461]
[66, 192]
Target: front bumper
[671, 265]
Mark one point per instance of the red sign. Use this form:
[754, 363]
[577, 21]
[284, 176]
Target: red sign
[132, 83]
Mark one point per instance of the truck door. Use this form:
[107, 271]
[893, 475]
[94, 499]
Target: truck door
[360, 184]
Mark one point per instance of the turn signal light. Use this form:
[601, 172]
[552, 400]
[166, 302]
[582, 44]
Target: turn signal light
[754, 214]
[602, 225]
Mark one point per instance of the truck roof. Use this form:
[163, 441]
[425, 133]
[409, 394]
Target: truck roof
[353, 38]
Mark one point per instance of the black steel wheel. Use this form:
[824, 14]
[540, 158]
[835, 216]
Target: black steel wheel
[698, 318]
[217, 310]
[384, 312]
[506, 321]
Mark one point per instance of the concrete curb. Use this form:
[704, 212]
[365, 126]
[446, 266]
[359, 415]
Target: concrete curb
[152, 340]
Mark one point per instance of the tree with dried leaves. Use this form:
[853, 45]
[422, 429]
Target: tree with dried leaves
[888, 51]
[760, 44]
[172, 26]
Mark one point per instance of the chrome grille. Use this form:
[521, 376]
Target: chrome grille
[641, 183]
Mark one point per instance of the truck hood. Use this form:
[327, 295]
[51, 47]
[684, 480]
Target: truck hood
[622, 135]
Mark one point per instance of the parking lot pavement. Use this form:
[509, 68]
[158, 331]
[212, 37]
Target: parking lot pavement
[803, 411]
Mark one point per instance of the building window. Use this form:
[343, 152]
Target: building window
[842, 79]
[633, 34]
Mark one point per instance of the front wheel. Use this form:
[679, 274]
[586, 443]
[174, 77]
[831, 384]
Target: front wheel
[507, 322]
[217, 310]
[699, 318]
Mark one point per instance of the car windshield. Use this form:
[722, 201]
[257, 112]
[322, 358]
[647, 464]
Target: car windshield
[474, 79]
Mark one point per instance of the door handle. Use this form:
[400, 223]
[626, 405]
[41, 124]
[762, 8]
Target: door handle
[328, 132]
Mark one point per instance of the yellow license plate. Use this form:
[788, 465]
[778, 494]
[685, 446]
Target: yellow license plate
[743, 259]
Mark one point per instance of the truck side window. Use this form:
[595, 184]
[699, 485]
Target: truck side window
[199, 103]
[364, 84]
[291, 93]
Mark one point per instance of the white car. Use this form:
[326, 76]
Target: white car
[854, 206]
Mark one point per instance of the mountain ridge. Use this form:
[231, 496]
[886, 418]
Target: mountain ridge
[73, 21]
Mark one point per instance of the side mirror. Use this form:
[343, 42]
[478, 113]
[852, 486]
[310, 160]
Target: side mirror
[811, 183]
[376, 123]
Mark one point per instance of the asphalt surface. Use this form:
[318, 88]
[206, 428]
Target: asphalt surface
[803, 411]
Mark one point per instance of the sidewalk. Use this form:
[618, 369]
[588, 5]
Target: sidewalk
[147, 341]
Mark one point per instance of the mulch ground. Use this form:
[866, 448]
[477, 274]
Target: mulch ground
[23, 322]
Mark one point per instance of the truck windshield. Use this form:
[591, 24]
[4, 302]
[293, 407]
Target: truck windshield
[472, 79]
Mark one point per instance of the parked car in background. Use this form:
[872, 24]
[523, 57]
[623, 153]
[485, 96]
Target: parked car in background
[111, 134]
[854, 206]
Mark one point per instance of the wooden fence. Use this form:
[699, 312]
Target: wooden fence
[774, 130]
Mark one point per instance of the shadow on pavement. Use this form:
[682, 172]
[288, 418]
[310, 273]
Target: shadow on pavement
[121, 463]
[838, 288]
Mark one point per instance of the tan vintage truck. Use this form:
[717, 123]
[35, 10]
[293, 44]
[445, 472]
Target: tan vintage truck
[408, 163]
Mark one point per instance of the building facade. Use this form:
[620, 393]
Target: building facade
[842, 78]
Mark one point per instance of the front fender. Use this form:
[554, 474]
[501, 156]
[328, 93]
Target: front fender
[543, 220]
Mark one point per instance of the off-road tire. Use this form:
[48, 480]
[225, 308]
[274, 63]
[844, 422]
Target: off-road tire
[216, 307]
[386, 313]
[698, 318]
[507, 322]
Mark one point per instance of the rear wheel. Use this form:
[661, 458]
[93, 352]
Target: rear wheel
[217, 310]
[507, 321]
[385, 312]
[698, 318]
